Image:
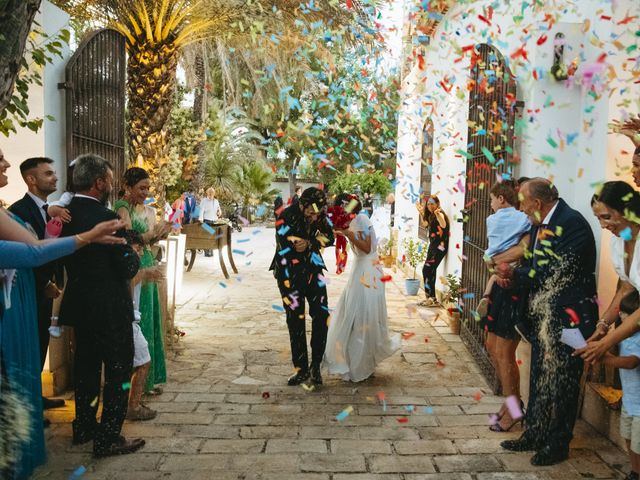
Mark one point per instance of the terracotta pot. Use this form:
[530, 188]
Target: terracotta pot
[454, 322]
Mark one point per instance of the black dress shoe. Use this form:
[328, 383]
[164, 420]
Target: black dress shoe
[80, 438]
[316, 376]
[519, 445]
[48, 403]
[122, 446]
[298, 378]
[549, 456]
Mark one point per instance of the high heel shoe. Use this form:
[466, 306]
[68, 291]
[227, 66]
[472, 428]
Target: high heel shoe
[496, 427]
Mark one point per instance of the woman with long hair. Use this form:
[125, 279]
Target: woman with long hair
[138, 217]
[437, 221]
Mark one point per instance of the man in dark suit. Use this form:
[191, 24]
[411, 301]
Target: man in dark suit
[98, 304]
[40, 176]
[302, 231]
[559, 274]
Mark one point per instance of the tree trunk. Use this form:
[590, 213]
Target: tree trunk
[199, 110]
[293, 175]
[16, 17]
[151, 84]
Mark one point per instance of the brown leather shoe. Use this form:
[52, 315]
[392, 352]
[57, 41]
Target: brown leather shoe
[122, 446]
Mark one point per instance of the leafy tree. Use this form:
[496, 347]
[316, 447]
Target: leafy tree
[40, 50]
[156, 30]
[16, 17]
[253, 183]
[375, 183]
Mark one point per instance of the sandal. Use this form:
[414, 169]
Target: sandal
[155, 391]
[141, 414]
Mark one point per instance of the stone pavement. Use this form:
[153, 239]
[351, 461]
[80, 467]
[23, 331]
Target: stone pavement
[227, 413]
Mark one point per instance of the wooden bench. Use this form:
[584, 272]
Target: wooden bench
[200, 239]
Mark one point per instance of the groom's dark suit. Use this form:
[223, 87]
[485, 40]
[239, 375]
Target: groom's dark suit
[298, 275]
[29, 212]
[97, 302]
[561, 268]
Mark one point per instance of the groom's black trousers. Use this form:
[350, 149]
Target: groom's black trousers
[294, 290]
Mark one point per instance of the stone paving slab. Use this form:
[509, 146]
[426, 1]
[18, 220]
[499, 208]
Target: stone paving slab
[227, 413]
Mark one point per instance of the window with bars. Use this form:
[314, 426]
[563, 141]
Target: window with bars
[426, 170]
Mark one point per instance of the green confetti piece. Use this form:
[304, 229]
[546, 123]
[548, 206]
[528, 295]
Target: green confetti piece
[548, 159]
[489, 155]
[464, 154]
[532, 273]
[126, 386]
[552, 142]
[631, 48]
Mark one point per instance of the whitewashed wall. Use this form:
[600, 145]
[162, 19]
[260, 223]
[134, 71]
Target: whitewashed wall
[45, 100]
[552, 109]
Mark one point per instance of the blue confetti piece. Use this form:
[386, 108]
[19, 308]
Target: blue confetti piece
[239, 252]
[222, 284]
[277, 308]
[208, 228]
[78, 472]
[428, 410]
[284, 251]
[626, 234]
[149, 201]
[283, 229]
[467, 296]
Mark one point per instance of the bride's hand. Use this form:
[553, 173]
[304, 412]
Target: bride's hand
[342, 232]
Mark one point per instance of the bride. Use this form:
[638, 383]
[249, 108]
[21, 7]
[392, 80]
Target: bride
[358, 338]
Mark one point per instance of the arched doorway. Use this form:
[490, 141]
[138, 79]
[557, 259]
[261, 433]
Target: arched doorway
[492, 113]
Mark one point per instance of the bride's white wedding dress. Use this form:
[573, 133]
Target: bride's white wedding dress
[358, 338]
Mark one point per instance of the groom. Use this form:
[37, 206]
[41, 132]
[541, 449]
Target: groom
[302, 231]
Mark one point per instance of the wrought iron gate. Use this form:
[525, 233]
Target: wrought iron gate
[95, 82]
[492, 109]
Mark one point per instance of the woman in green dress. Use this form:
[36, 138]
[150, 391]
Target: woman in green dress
[138, 217]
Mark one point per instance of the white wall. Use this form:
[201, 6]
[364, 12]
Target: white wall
[45, 100]
[552, 109]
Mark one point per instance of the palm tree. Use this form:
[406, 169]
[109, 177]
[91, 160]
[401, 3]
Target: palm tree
[156, 30]
[253, 181]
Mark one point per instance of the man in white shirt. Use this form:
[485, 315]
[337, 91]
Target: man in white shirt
[209, 212]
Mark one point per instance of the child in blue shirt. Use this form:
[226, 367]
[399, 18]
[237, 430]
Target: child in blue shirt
[505, 229]
[628, 361]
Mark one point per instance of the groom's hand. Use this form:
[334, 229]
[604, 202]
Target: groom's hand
[300, 245]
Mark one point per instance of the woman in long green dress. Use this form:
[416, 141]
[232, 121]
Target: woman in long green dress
[138, 217]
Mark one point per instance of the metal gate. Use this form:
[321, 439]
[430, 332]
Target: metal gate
[492, 109]
[95, 80]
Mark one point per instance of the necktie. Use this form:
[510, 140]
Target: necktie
[45, 207]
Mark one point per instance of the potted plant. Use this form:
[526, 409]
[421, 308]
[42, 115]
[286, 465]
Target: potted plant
[415, 253]
[386, 255]
[451, 301]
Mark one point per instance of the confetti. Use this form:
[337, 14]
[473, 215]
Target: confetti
[78, 473]
[126, 386]
[344, 413]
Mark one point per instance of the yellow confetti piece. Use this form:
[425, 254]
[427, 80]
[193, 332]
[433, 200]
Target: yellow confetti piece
[94, 402]
[351, 205]
[532, 273]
